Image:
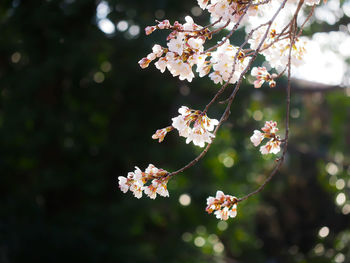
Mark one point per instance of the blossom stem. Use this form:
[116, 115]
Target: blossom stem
[280, 161]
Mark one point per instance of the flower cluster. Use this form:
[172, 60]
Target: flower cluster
[185, 47]
[136, 182]
[227, 10]
[276, 47]
[224, 59]
[195, 126]
[225, 206]
[269, 132]
[165, 24]
[263, 75]
[277, 39]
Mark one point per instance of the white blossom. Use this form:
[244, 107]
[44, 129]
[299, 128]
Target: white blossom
[195, 126]
[225, 206]
[224, 59]
[203, 3]
[196, 44]
[312, 2]
[269, 132]
[162, 189]
[263, 75]
[123, 184]
[276, 50]
[176, 45]
[157, 50]
[137, 188]
[216, 77]
[151, 190]
[161, 64]
[257, 137]
[271, 146]
[199, 137]
[135, 182]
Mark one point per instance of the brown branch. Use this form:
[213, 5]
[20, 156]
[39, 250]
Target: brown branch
[293, 31]
[235, 59]
[232, 96]
[192, 31]
[221, 28]
[307, 19]
[231, 74]
[232, 30]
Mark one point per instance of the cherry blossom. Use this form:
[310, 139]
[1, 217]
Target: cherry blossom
[161, 25]
[136, 182]
[203, 3]
[263, 75]
[224, 59]
[312, 2]
[272, 146]
[161, 133]
[276, 47]
[183, 50]
[257, 137]
[225, 206]
[269, 132]
[226, 10]
[271, 30]
[195, 126]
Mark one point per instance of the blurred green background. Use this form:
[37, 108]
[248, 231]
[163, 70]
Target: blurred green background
[76, 112]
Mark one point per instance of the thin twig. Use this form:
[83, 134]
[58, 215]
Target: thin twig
[307, 19]
[286, 136]
[232, 96]
[232, 30]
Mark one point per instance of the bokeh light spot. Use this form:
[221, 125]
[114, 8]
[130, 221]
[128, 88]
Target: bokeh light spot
[258, 115]
[199, 241]
[122, 26]
[159, 14]
[339, 258]
[99, 77]
[102, 10]
[196, 11]
[332, 168]
[106, 26]
[222, 225]
[187, 237]
[201, 230]
[213, 238]
[184, 90]
[346, 209]
[324, 231]
[319, 249]
[184, 199]
[134, 30]
[218, 248]
[16, 57]
[340, 199]
[340, 184]
[228, 161]
[106, 66]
